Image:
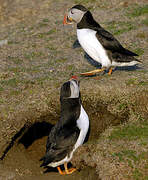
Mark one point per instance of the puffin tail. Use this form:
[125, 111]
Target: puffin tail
[42, 159]
[46, 160]
[129, 53]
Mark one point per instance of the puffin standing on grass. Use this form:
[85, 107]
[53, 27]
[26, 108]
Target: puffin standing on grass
[70, 131]
[98, 43]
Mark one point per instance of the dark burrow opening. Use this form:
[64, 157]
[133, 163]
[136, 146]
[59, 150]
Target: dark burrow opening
[28, 134]
[35, 132]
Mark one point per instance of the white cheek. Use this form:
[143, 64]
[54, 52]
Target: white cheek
[74, 90]
[76, 15]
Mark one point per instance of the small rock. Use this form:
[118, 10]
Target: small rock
[3, 42]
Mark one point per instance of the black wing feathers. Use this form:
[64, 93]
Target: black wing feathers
[110, 43]
[60, 144]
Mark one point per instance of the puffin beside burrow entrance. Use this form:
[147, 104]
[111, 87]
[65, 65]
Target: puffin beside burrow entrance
[98, 43]
[70, 131]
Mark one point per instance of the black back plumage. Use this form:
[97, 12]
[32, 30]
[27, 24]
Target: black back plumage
[80, 7]
[108, 41]
[64, 134]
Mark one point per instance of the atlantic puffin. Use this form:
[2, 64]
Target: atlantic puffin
[70, 131]
[98, 43]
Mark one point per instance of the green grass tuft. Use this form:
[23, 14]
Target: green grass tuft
[15, 60]
[143, 83]
[138, 11]
[131, 132]
[122, 106]
[132, 158]
[118, 28]
[15, 92]
[42, 24]
[130, 154]
[63, 60]
[1, 88]
[51, 31]
[11, 82]
[44, 34]
[145, 22]
[139, 51]
[33, 55]
[137, 175]
[50, 47]
[131, 81]
[45, 20]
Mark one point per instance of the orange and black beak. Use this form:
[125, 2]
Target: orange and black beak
[67, 20]
[74, 77]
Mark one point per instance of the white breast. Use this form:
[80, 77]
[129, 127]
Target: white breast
[89, 42]
[83, 125]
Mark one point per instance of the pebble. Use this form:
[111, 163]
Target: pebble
[3, 42]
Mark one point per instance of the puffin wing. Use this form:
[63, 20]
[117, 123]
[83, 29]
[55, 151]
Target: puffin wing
[109, 42]
[60, 144]
[65, 138]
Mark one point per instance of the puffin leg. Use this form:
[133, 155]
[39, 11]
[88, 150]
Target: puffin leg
[69, 171]
[60, 171]
[110, 71]
[90, 73]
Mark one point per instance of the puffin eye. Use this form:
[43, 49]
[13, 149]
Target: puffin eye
[72, 12]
